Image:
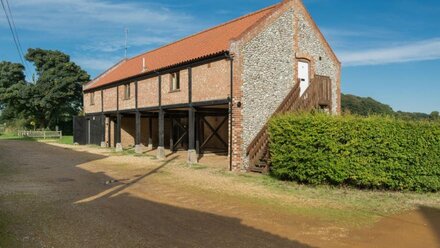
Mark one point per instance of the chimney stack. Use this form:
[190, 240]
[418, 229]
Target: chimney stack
[144, 65]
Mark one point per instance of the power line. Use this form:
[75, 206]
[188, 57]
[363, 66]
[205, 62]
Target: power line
[26, 64]
[16, 42]
[15, 29]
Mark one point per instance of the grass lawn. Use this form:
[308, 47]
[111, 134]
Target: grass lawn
[349, 206]
[68, 140]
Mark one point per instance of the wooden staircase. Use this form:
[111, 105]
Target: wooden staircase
[316, 96]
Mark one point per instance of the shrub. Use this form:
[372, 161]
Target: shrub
[365, 152]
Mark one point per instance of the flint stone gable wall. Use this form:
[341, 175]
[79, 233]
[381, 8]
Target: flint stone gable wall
[310, 44]
[268, 74]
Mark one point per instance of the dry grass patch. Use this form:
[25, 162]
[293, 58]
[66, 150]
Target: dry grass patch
[348, 207]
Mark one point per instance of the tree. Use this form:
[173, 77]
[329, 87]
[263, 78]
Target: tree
[11, 74]
[364, 106]
[57, 93]
[367, 106]
[55, 97]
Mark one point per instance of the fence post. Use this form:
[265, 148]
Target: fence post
[44, 134]
[61, 134]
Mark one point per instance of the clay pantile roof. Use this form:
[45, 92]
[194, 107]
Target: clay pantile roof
[209, 42]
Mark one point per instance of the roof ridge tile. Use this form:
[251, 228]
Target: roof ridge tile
[207, 30]
[210, 41]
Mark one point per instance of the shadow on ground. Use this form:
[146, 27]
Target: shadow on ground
[432, 215]
[53, 216]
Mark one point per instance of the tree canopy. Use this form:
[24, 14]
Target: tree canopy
[366, 106]
[13, 90]
[55, 96]
[10, 73]
[57, 92]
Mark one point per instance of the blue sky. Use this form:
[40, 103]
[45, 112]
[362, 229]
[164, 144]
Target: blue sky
[390, 50]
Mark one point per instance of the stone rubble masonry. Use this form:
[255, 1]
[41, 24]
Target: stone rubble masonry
[268, 74]
[312, 46]
[262, 56]
[265, 70]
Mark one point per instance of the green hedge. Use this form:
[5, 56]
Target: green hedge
[372, 152]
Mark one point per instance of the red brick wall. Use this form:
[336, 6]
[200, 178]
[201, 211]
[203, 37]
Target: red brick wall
[129, 103]
[88, 108]
[128, 131]
[176, 97]
[110, 99]
[110, 140]
[107, 127]
[211, 81]
[148, 93]
[237, 119]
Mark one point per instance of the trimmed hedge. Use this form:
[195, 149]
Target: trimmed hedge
[363, 152]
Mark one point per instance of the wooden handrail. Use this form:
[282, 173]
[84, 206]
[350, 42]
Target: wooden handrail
[317, 94]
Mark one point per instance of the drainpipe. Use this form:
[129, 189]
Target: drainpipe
[231, 58]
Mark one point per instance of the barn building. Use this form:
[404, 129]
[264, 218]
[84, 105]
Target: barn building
[214, 91]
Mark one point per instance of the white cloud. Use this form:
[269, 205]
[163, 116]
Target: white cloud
[416, 51]
[63, 15]
[118, 44]
[97, 64]
[92, 31]
[99, 25]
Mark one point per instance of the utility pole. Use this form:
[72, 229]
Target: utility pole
[126, 37]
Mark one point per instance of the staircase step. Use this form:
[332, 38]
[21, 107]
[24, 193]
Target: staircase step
[261, 167]
[256, 169]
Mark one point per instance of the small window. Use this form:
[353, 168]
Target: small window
[92, 98]
[175, 81]
[126, 91]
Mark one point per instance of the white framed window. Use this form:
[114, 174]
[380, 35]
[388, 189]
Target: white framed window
[175, 81]
[92, 98]
[127, 91]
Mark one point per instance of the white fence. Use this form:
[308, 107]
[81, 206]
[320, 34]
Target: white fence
[2, 128]
[41, 134]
